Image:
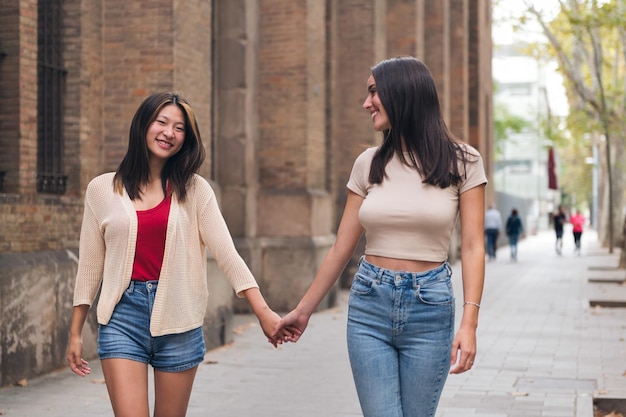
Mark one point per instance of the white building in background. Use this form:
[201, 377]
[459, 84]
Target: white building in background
[532, 90]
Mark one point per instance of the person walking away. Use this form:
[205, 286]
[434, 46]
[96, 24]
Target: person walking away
[514, 229]
[577, 221]
[493, 226]
[143, 241]
[400, 330]
[559, 220]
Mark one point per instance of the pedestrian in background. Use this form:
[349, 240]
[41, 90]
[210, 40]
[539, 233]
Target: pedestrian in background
[577, 221]
[143, 241]
[559, 219]
[514, 229]
[493, 226]
[400, 330]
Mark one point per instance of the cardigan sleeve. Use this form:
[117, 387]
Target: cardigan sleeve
[91, 252]
[216, 236]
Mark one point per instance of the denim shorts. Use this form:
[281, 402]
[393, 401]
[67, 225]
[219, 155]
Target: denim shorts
[127, 335]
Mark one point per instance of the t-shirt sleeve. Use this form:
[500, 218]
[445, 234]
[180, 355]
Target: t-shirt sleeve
[474, 170]
[359, 177]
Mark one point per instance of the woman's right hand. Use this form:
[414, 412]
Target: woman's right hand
[75, 357]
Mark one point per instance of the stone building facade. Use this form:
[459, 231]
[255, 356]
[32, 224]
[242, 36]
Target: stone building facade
[277, 86]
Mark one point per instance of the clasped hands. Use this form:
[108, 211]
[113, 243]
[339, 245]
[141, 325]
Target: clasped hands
[286, 329]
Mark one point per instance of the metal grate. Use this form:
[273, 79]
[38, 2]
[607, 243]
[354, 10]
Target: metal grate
[51, 84]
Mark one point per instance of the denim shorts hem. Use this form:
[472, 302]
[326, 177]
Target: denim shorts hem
[179, 368]
[176, 368]
[113, 355]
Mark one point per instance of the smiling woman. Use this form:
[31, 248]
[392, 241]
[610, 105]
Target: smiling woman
[146, 229]
[401, 340]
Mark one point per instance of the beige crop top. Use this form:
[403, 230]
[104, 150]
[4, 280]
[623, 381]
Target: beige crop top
[404, 218]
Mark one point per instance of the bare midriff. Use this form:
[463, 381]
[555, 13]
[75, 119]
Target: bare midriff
[395, 264]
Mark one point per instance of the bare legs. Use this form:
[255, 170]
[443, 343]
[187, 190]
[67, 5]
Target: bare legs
[127, 384]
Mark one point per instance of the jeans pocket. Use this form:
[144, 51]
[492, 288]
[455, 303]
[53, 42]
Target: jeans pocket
[361, 285]
[436, 292]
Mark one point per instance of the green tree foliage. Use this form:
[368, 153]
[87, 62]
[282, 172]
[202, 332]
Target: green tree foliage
[505, 124]
[588, 39]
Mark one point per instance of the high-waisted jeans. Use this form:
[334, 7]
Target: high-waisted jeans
[400, 332]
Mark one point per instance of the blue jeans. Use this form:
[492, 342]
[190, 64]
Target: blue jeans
[400, 331]
[492, 242]
[513, 238]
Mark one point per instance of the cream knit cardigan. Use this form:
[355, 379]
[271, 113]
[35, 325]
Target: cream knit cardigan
[107, 251]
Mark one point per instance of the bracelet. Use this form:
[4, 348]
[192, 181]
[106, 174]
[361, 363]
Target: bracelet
[472, 303]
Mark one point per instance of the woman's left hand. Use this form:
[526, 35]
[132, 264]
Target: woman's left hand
[463, 351]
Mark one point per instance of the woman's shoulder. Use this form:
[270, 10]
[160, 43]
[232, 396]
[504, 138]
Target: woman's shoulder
[363, 161]
[369, 151]
[102, 181]
[199, 181]
[100, 190]
[367, 155]
[200, 187]
[469, 149]
[107, 176]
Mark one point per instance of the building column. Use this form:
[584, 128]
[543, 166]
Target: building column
[480, 81]
[459, 69]
[402, 28]
[436, 32]
[294, 213]
[358, 41]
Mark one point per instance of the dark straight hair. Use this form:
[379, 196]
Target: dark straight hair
[134, 169]
[408, 93]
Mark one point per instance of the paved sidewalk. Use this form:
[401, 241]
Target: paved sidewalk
[543, 351]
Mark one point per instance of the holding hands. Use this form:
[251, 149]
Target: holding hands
[270, 321]
[290, 327]
[275, 332]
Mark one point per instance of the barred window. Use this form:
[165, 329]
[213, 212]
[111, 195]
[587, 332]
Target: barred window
[51, 90]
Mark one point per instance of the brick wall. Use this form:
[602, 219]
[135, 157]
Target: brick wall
[192, 74]
[459, 69]
[354, 53]
[279, 105]
[38, 223]
[9, 91]
[282, 92]
[401, 27]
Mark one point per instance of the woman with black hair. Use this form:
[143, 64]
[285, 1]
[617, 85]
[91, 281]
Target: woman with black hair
[144, 235]
[406, 195]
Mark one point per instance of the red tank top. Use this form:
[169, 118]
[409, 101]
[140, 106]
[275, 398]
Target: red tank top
[151, 232]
